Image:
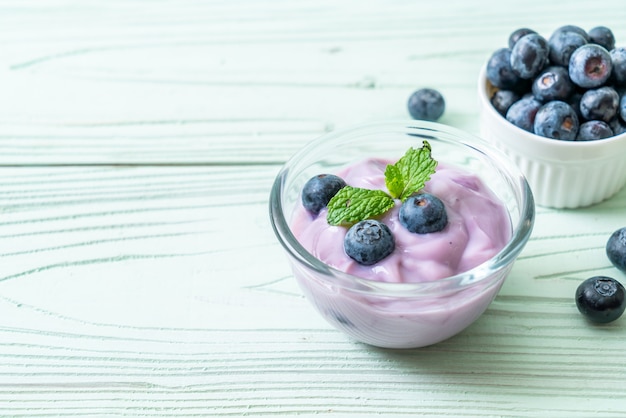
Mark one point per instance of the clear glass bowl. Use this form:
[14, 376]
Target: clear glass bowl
[561, 174]
[401, 315]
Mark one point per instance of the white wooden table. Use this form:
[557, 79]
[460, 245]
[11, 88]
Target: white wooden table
[139, 275]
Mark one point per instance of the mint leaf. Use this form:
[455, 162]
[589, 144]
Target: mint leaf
[415, 167]
[353, 204]
[394, 181]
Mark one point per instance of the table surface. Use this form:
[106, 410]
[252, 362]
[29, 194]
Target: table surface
[140, 275]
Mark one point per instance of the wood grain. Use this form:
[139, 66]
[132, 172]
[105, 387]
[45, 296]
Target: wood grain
[140, 275]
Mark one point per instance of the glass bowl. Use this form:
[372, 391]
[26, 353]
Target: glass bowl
[561, 174]
[401, 315]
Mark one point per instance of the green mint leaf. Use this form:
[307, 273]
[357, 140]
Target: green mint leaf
[353, 204]
[416, 167]
[394, 181]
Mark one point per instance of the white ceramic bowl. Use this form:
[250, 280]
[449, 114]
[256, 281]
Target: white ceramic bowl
[561, 174]
[401, 315]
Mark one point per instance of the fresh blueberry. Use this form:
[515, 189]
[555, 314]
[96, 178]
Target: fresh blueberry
[562, 44]
[601, 299]
[503, 99]
[517, 34]
[616, 249]
[553, 84]
[423, 213]
[556, 119]
[599, 104]
[369, 241]
[622, 107]
[575, 29]
[529, 55]
[522, 113]
[318, 191]
[618, 58]
[426, 104]
[617, 126]
[602, 35]
[500, 73]
[590, 66]
[594, 129]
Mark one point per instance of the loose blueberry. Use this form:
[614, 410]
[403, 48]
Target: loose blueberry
[599, 104]
[426, 104]
[423, 214]
[603, 36]
[369, 241]
[601, 299]
[517, 34]
[618, 58]
[594, 129]
[556, 120]
[590, 66]
[529, 55]
[523, 112]
[499, 71]
[616, 249]
[553, 84]
[503, 99]
[318, 191]
[562, 44]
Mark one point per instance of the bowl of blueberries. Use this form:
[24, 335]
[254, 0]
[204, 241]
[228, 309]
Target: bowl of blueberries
[556, 105]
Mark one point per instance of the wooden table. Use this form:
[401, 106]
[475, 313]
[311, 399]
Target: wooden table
[139, 274]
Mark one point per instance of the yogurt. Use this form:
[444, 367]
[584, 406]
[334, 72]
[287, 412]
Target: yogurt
[478, 228]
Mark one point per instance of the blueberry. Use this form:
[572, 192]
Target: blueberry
[594, 129]
[562, 44]
[318, 191]
[618, 59]
[601, 299]
[556, 119]
[616, 249]
[575, 29]
[617, 126]
[517, 34]
[590, 66]
[574, 101]
[522, 113]
[503, 99]
[622, 107]
[500, 73]
[603, 36]
[599, 104]
[369, 241]
[529, 55]
[426, 104]
[553, 84]
[423, 213]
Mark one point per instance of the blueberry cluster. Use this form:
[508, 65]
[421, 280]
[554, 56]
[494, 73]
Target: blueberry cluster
[602, 299]
[370, 240]
[570, 86]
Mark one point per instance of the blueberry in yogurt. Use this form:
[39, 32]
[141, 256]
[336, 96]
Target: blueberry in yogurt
[369, 241]
[318, 191]
[423, 213]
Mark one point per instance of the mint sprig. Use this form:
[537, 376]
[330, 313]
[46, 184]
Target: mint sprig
[402, 179]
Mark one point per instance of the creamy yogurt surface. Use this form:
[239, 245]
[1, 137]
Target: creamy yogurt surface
[478, 228]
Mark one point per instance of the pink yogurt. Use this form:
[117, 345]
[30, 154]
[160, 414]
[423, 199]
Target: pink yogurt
[478, 228]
